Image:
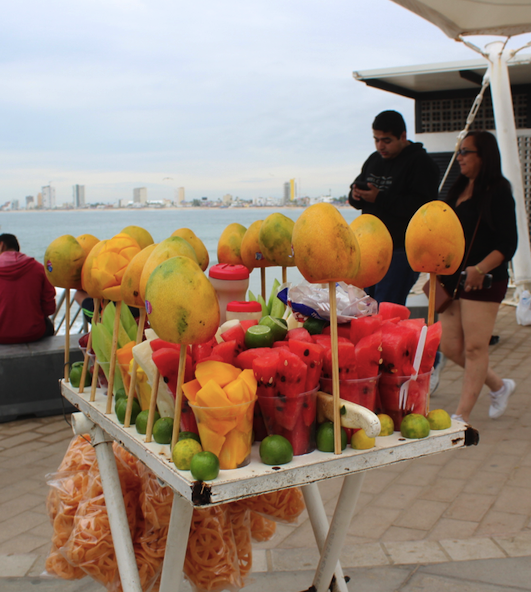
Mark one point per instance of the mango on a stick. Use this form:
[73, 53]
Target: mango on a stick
[250, 251]
[326, 248]
[229, 244]
[130, 287]
[274, 239]
[171, 247]
[376, 250]
[88, 283]
[197, 245]
[87, 241]
[181, 303]
[141, 235]
[63, 261]
[435, 241]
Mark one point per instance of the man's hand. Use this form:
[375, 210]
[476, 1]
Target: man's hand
[368, 195]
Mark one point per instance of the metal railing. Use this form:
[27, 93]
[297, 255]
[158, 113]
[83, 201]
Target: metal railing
[75, 311]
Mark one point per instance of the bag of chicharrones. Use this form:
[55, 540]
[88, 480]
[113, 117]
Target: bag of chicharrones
[67, 488]
[523, 309]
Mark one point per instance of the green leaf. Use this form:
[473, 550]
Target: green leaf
[273, 296]
[265, 310]
[251, 297]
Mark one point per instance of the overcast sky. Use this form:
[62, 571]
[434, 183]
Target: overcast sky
[218, 97]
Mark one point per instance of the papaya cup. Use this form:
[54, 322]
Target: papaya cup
[227, 432]
[293, 417]
[416, 400]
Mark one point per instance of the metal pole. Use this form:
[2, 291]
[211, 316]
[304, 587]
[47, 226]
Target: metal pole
[502, 104]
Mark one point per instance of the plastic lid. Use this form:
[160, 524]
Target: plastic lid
[238, 306]
[225, 271]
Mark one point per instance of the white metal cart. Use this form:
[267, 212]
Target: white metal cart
[256, 478]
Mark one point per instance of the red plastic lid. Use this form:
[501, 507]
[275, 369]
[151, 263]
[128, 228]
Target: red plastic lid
[238, 306]
[225, 271]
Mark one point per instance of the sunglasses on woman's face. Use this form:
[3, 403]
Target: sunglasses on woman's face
[464, 152]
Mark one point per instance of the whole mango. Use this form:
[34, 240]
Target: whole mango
[181, 304]
[229, 244]
[274, 239]
[141, 235]
[250, 251]
[63, 262]
[197, 245]
[130, 287]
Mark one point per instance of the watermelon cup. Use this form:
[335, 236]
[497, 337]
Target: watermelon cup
[417, 397]
[227, 432]
[362, 391]
[293, 417]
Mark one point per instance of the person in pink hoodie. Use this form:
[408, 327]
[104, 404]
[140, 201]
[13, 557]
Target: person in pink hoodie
[27, 299]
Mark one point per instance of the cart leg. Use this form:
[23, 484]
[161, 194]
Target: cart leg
[112, 490]
[172, 568]
[337, 531]
[319, 521]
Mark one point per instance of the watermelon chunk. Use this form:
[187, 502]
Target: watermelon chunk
[326, 340]
[246, 324]
[346, 361]
[363, 326]
[343, 330]
[399, 343]
[368, 353]
[201, 351]
[388, 310]
[225, 352]
[299, 333]
[291, 382]
[167, 362]
[416, 402]
[244, 360]
[433, 339]
[312, 355]
[237, 334]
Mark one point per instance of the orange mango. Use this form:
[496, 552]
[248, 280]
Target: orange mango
[197, 245]
[274, 239]
[87, 241]
[236, 448]
[141, 235]
[210, 439]
[237, 391]
[229, 244]
[190, 390]
[220, 372]
[88, 283]
[250, 250]
[212, 395]
[63, 262]
[130, 286]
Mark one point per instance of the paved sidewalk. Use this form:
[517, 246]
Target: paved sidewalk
[457, 521]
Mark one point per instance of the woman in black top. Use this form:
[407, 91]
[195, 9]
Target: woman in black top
[481, 193]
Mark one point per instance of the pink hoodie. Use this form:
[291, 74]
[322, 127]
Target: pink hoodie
[26, 298]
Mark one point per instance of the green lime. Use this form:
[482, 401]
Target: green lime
[276, 450]
[278, 328]
[183, 452]
[204, 466]
[75, 375]
[415, 426]
[315, 326]
[120, 393]
[163, 430]
[387, 425]
[187, 435]
[259, 336]
[142, 419]
[325, 437]
[120, 408]
[439, 419]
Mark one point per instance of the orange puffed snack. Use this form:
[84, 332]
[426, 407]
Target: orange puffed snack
[155, 500]
[240, 517]
[262, 529]
[285, 505]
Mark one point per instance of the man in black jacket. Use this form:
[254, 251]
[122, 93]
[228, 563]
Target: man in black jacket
[394, 182]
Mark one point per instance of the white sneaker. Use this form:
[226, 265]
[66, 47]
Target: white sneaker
[438, 366]
[458, 418]
[500, 398]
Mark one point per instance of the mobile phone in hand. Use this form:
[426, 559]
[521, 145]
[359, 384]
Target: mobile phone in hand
[487, 280]
[362, 186]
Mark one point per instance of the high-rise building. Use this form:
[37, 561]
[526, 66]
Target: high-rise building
[48, 197]
[39, 200]
[78, 193]
[30, 202]
[140, 195]
[180, 195]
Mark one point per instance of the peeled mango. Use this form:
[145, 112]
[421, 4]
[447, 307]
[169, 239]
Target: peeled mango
[109, 265]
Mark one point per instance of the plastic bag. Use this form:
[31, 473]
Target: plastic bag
[285, 505]
[311, 300]
[523, 309]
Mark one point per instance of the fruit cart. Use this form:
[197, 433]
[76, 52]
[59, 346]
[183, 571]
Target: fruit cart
[231, 485]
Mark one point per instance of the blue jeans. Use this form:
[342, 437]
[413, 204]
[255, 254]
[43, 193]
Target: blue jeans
[397, 282]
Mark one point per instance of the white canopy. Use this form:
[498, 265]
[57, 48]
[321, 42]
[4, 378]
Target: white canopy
[474, 17]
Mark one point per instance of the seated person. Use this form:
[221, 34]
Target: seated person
[27, 298]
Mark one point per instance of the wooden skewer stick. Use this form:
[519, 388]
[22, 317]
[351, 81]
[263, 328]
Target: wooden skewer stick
[263, 282]
[284, 274]
[67, 334]
[96, 367]
[152, 406]
[132, 386]
[85, 364]
[179, 396]
[431, 299]
[112, 363]
[335, 366]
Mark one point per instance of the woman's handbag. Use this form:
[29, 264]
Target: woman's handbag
[442, 298]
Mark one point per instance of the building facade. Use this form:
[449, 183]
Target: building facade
[78, 193]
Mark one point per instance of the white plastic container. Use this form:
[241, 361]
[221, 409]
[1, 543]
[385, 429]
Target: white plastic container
[244, 311]
[230, 282]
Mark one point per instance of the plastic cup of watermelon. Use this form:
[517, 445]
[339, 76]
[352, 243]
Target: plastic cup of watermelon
[227, 432]
[294, 417]
[362, 391]
[417, 398]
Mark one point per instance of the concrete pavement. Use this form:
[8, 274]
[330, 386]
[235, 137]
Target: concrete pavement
[459, 520]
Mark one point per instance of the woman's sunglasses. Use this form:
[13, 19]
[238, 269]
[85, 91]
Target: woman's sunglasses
[464, 152]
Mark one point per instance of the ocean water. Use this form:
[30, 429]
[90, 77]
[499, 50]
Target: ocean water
[36, 230]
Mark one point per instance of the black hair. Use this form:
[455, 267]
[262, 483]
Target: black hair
[390, 121]
[10, 241]
[490, 177]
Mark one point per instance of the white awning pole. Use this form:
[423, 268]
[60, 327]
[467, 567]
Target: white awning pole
[502, 104]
